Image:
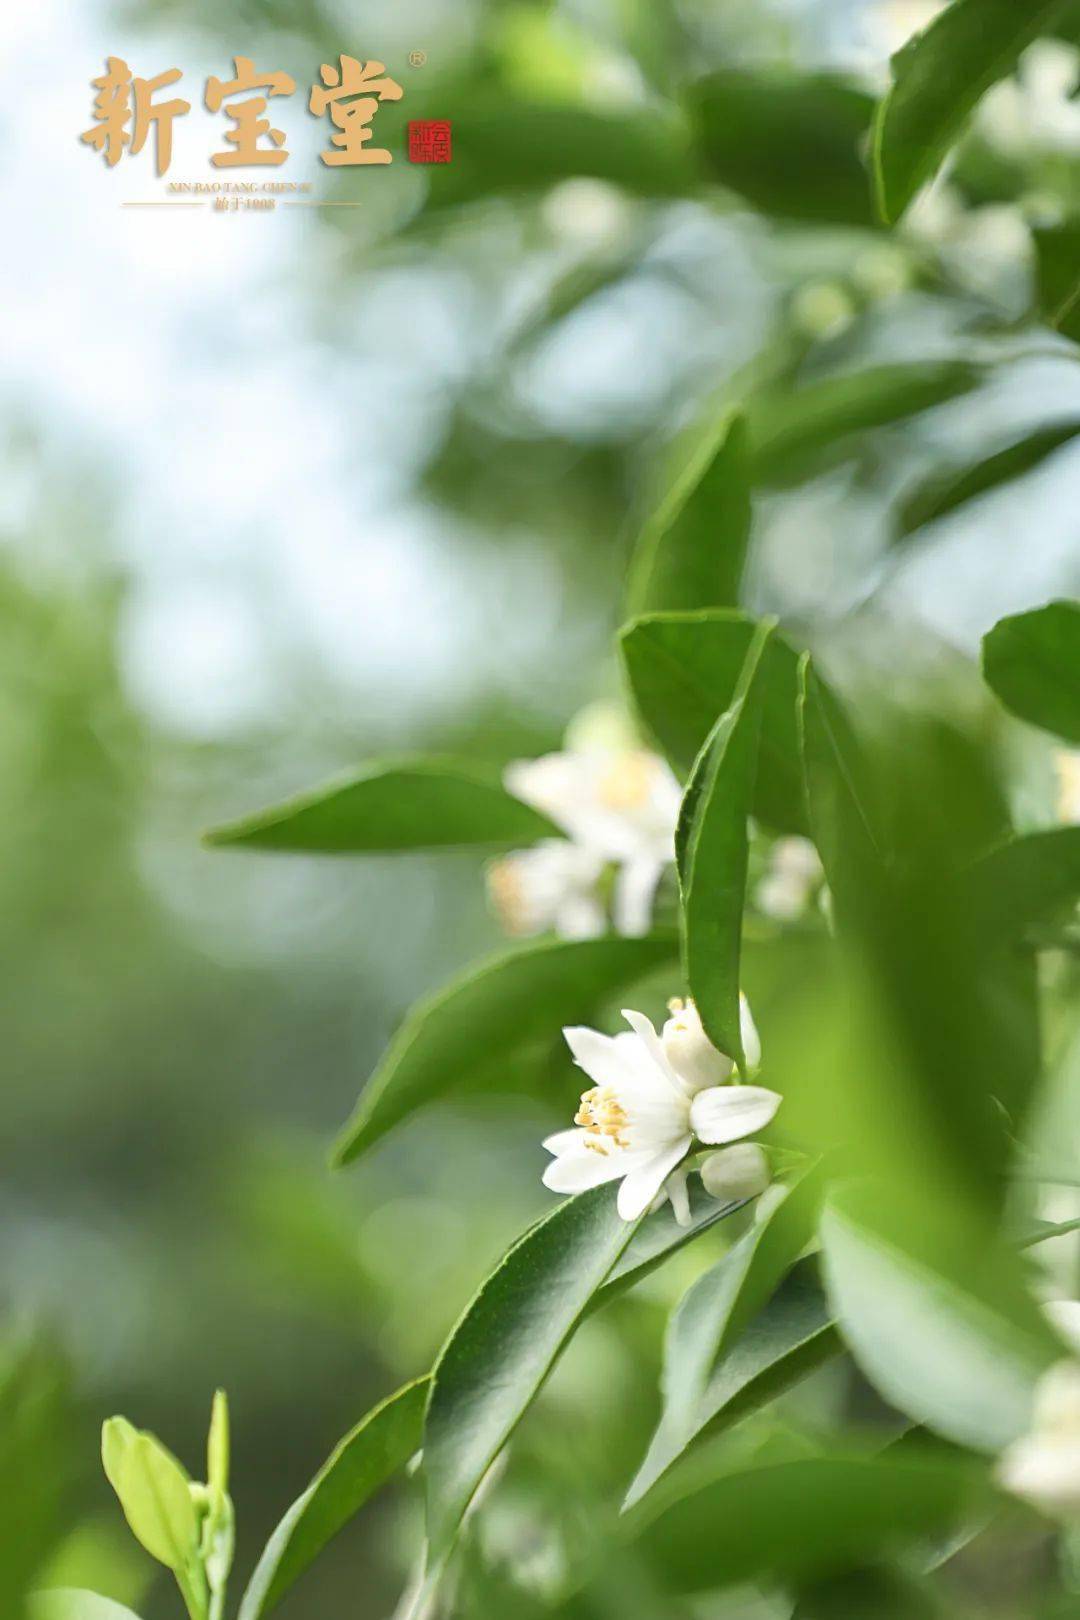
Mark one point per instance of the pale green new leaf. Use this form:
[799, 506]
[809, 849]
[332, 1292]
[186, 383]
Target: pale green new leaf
[153, 1490]
[692, 552]
[364, 1460]
[938, 79]
[474, 1030]
[1032, 662]
[392, 806]
[69, 1603]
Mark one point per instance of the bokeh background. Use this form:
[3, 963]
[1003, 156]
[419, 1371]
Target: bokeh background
[281, 492]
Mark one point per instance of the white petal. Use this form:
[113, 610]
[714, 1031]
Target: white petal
[635, 890]
[576, 1172]
[580, 916]
[736, 1173]
[751, 1040]
[725, 1113]
[676, 1189]
[645, 1032]
[597, 1054]
[1044, 1472]
[1064, 1314]
[643, 1183]
[565, 1141]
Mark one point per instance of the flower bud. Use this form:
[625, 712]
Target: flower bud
[691, 1053]
[737, 1172]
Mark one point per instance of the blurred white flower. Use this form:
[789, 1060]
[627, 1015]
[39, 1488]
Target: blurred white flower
[793, 873]
[1067, 766]
[737, 1172]
[653, 1096]
[552, 886]
[617, 806]
[1035, 108]
[1044, 1466]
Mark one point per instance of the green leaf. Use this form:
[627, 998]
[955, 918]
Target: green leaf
[798, 1519]
[660, 1236]
[684, 669]
[1057, 251]
[712, 849]
[733, 1342]
[1032, 662]
[473, 1031]
[791, 144]
[946, 493]
[68, 1603]
[887, 1594]
[154, 1492]
[793, 429]
[844, 812]
[1025, 882]
[505, 1345]
[946, 1331]
[692, 552]
[35, 1463]
[394, 805]
[938, 79]
[365, 1459]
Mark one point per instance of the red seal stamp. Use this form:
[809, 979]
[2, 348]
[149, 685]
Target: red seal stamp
[430, 140]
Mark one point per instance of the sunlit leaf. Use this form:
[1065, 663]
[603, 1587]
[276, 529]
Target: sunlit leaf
[154, 1493]
[684, 669]
[470, 1033]
[938, 78]
[1032, 662]
[945, 1330]
[712, 845]
[67, 1603]
[365, 1459]
[394, 805]
[692, 552]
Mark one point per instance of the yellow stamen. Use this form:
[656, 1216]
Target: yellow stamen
[602, 1113]
[627, 782]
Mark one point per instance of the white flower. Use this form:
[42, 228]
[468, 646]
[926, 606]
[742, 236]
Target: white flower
[619, 806]
[1044, 1466]
[737, 1172]
[552, 886]
[1035, 109]
[1067, 766]
[653, 1095]
[794, 872]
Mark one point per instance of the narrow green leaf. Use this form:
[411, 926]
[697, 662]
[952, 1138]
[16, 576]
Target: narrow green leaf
[945, 493]
[731, 1348]
[474, 1030]
[844, 813]
[1057, 250]
[659, 1236]
[938, 79]
[154, 1493]
[692, 552]
[949, 1336]
[793, 430]
[799, 1519]
[365, 1459]
[501, 1351]
[69, 1603]
[1032, 662]
[683, 670]
[391, 806]
[712, 847]
[790, 143]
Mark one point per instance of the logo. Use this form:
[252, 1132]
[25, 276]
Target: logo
[431, 140]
